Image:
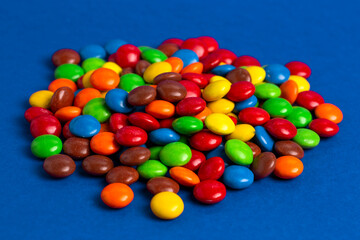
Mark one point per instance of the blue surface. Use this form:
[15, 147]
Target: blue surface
[323, 203]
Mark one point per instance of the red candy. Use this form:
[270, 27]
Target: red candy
[66, 131]
[127, 56]
[144, 121]
[45, 124]
[281, 128]
[246, 61]
[130, 136]
[226, 56]
[210, 43]
[118, 121]
[190, 106]
[192, 90]
[241, 91]
[197, 78]
[213, 168]
[299, 69]
[254, 116]
[309, 100]
[205, 140]
[197, 158]
[210, 61]
[209, 191]
[176, 41]
[166, 123]
[324, 127]
[198, 46]
[35, 112]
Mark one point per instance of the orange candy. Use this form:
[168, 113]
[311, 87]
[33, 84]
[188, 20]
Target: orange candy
[329, 111]
[288, 167]
[196, 67]
[62, 82]
[184, 176]
[289, 91]
[117, 195]
[176, 64]
[67, 113]
[202, 115]
[85, 95]
[104, 143]
[160, 109]
[104, 79]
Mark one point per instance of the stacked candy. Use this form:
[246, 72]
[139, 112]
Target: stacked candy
[189, 110]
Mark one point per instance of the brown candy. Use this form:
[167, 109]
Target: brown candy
[238, 75]
[168, 48]
[77, 147]
[59, 166]
[62, 97]
[122, 174]
[263, 165]
[171, 91]
[141, 96]
[141, 66]
[162, 184]
[167, 76]
[64, 56]
[135, 156]
[255, 149]
[126, 71]
[97, 165]
[289, 148]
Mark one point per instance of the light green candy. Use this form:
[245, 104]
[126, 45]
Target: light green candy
[98, 109]
[175, 154]
[307, 138]
[131, 81]
[187, 125]
[151, 169]
[238, 152]
[277, 107]
[153, 55]
[267, 90]
[300, 117]
[92, 64]
[69, 71]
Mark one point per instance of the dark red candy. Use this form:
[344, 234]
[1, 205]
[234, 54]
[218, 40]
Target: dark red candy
[168, 48]
[281, 128]
[190, 106]
[254, 148]
[209, 191]
[34, 112]
[254, 116]
[166, 123]
[80, 83]
[226, 56]
[246, 61]
[263, 165]
[210, 61]
[309, 100]
[118, 121]
[177, 41]
[197, 78]
[112, 58]
[192, 90]
[64, 56]
[240, 91]
[324, 127]
[45, 124]
[234, 119]
[299, 68]
[144, 121]
[130, 136]
[62, 97]
[198, 46]
[205, 140]
[197, 158]
[66, 131]
[213, 168]
[127, 56]
[210, 43]
[289, 148]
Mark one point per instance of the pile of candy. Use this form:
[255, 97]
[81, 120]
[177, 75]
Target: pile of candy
[200, 114]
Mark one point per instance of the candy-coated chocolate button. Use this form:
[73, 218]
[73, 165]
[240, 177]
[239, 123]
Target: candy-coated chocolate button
[184, 176]
[117, 195]
[209, 191]
[324, 127]
[263, 165]
[288, 167]
[162, 184]
[239, 152]
[238, 177]
[151, 169]
[330, 112]
[175, 154]
[220, 124]
[289, 148]
[167, 205]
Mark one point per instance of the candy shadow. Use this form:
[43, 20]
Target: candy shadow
[101, 205]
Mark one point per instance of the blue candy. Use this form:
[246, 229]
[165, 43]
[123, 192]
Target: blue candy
[84, 126]
[187, 56]
[222, 70]
[116, 100]
[263, 138]
[163, 136]
[112, 46]
[250, 102]
[220, 152]
[276, 73]
[92, 51]
[238, 177]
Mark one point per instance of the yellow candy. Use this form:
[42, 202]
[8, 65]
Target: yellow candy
[221, 106]
[86, 79]
[167, 205]
[243, 132]
[219, 123]
[113, 66]
[155, 69]
[232, 115]
[302, 83]
[103, 94]
[216, 90]
[257, 74]
[41, 99]
[217, 78]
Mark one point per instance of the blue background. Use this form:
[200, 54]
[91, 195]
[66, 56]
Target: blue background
[323, 203]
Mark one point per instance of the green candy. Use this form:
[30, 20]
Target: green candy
[153, 55]
[46, 145]
[69, 71]
[184, 139]
[300, 117]
[92, 64]
[175, 154]
[306, 138]
[238, 152]
[97, 108]
[277, 107]
[155, 152]
[130, 81]
[267, 90]
[151, 169]
[187, 125]
[143, 48]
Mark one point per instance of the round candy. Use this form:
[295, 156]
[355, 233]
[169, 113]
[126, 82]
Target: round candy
[160, 109]
[59, 166]
[141, 96]
[238, 177]
[144, 121]
[324, 127]
[167, 205]
[85, 95]
[197, 158]
[276, 73]
[205, 141]
[307, 138]
[127, 56]
[113, 45]
[267, 90]
[257, 74]
[77, 147]
[45, 124]
[116, 100]
[153, 55]
[221, 106]
[175, 154]
[97, 165]
[162, 184]
[299, 68]
[130, 81]
[113, 66]
[66, 114]
[92, 51]
[168, 48]
[151, 169]
[216, 90]
[213, 168]
[117, 195]
[254, 116]
[176, 41]
[171, 91]
[330, 112]
[190, 106]
[288, 148]
[84, 126]
[210, 43]
[220, 124]
[255, 149]
[303, 84]
[41, 99]
[288, 167]
[118, 121]
[243, 132]
[250, 102]
[187, 125]
[240, 91]
[104, 79]
[246, 61]
[62, 97]
[34, 112]
[289, 91]
[46, 145]
[156, 69]
[104, 143]
[173, 76]
[264, 139]
[209, 191]
[238, 75]
[197, 45]
[64, 56]
[309, 100]
[122, 174]
[187, 56]
[277, 107]
[281, 128]
[300, 117]
[263, 165]
[239, 152]
[135, 156]
[98, 109]
[226, 56]
[69, 71]
[184, 176]
[131, 136]
[163, 136]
